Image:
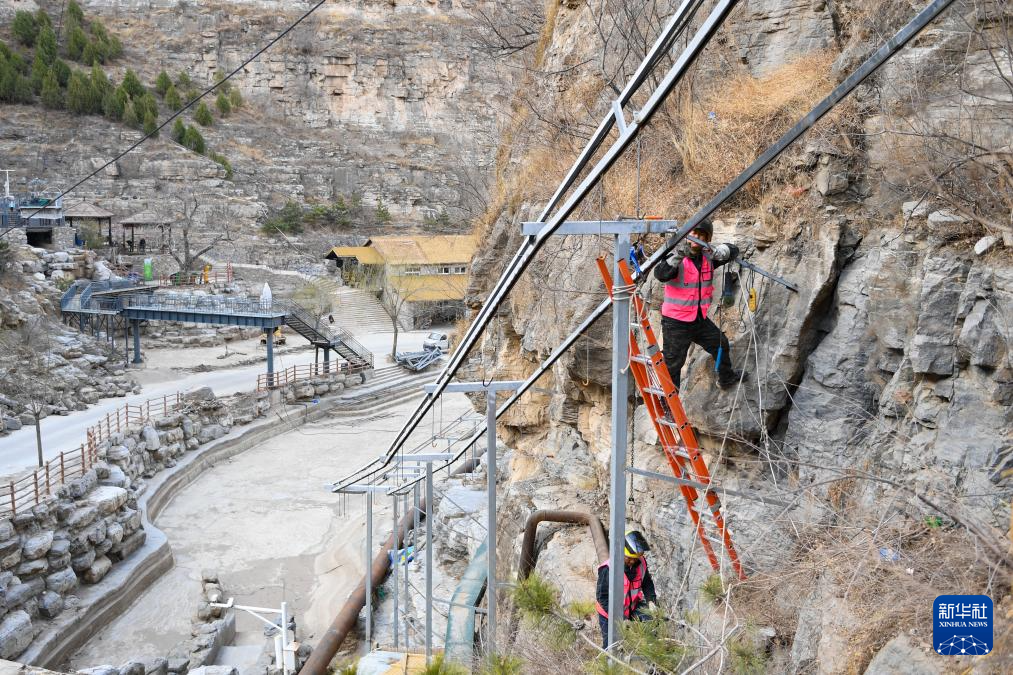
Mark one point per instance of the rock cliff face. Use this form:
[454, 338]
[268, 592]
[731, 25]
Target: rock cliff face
[880, 395]
[398, 102]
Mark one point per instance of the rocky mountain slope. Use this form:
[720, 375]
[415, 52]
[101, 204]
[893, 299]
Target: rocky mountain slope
[881, 395]
[399, 102]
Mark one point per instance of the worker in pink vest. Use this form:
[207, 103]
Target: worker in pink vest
[638, 586]
[688, 273]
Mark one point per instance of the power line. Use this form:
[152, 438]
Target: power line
[189, 104]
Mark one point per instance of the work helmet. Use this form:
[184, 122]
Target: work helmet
[705, 226]
[636, 546]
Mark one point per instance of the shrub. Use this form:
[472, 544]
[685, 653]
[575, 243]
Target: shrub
[535, 598]
[713, 589]
[193, 140]
[74, 13]
[132, 85]
[224, 162]
[39, 71]
[183, 81]
[223, 105]
[650, 641]
[440, 666]
[172, 98]
[91, 54]
[382, 213]
[42, 19]
[502, 664]
[162, 83]
[25, 28]
[235, 98]
[203, 115]
[289, 219]
[147, 105]
[52, 95]
[178, 130]
[746, 658]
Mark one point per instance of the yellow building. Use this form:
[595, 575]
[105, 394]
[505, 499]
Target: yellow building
[421, 279]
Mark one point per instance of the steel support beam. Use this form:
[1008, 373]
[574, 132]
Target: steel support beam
[269, 340]
[429, 561]
[369, 570]
[136, 325]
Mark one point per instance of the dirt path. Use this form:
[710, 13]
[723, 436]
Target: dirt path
[261, 520]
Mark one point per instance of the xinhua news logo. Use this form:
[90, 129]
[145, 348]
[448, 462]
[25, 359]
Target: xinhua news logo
[962, 625]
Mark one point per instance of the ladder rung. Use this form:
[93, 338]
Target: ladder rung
[665, 422]
[657, 391]
[640, 358]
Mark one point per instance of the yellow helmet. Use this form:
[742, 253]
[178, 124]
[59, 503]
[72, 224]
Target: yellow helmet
[635, 545]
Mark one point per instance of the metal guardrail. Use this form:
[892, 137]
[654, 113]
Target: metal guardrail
[204, 304]
[300, 373]
[38, 486]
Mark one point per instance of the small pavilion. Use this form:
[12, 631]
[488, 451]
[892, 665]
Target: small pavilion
[83, 212]
[148, 232]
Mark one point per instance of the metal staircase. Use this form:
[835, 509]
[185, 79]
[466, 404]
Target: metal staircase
[678, 441]
[325, 335]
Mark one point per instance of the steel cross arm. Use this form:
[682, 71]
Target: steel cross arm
[709, 487]
[606, 227]
[525, 256]
[471, 387]
[873, 63]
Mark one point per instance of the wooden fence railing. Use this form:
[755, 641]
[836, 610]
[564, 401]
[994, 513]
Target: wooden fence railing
[30, 490]
[293, 374]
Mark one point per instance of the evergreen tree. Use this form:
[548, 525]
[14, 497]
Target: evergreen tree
[75, 14]
[172, 98]
[132, 85]
[193, 140]
[42, 19]
[163, 83]
[111, 106]
[179, 130]
[52, 95]
[77, 43]
[382, 213]
[150, 124]
[146, 105]
[79, 94]
[223, 105]
[235, 98]
[62, 71]
[203, 116]
[8, 82]
[39, 70]
[25, 28]
[99, 83]
[183, 81]
[45, 45]
[130, 116]
[90, 56]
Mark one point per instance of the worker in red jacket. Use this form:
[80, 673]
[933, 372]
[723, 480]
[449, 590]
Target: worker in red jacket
[638, 587]
[688, 273]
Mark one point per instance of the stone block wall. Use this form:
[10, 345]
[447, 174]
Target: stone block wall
[94, 522]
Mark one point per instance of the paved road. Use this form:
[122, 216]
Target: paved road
[18, 453]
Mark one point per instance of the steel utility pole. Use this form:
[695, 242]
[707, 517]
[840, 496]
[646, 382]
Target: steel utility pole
[621, 230]
[490, 390]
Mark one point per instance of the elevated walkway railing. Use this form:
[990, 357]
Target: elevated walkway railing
[32, 489]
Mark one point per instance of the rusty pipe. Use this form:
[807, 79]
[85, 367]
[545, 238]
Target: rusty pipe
[529, 556]
[345, 620]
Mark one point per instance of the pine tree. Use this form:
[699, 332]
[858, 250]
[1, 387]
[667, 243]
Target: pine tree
[74, 13]
[235, 98]
[163, 83]
[130, 116]
[203, 116]
[79, 94]
[178, 131]
[8, 82]
[39, 70]
[90, 55]
[132, 85]
[145, 105]
[193, 140]
[150, 124]
[111, 106]
[223, 105]
[382, 213]
[62, 71]
[183, 81]
[99, 83]
[25, 28]
[172, 98]
[52, 95]
[45, 45]
[77, 43]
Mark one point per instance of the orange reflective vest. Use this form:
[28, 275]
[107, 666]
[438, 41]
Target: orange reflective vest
[691, 289]
[632, 593]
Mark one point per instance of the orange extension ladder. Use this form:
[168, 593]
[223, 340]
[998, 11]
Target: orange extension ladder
[674, 431]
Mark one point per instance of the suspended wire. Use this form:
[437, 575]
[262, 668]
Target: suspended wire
[189, 104]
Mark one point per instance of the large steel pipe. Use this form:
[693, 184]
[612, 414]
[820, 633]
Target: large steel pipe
[529, 555]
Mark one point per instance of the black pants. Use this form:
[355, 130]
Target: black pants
[679, 335]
